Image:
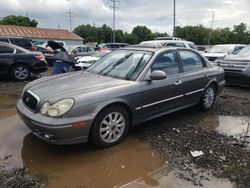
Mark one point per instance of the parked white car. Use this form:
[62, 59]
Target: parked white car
[221, 50]
[86, 61]
[175, 43]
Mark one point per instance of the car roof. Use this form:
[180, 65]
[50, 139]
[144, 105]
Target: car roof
[13, 46]
[115, 43]
[149, 48]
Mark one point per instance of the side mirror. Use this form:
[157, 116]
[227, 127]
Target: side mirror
[206, 51]
[158, 75]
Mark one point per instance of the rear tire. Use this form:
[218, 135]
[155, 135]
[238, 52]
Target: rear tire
[208, 97]
[21, 72]
[110, 127]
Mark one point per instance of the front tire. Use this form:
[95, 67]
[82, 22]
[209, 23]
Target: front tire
[110, 127]
[208, 97]
[20, 72]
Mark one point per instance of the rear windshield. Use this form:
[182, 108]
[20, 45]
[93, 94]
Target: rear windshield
[25, 43]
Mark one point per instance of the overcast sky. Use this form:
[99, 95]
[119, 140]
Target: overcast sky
[155, 14]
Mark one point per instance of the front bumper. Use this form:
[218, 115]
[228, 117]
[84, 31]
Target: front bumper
[58, 131]
[237, 78]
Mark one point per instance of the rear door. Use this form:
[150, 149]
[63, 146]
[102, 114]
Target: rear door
[6, 58]
[194, 77]
[159, 96]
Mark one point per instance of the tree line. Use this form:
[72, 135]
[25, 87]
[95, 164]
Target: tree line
[197, 34]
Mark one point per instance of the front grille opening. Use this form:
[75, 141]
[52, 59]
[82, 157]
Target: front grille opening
[30, 101]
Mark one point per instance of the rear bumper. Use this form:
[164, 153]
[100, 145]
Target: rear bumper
[37, 70]
[59, 131]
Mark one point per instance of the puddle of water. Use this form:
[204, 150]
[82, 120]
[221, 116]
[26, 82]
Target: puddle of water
[170, 180]
[82, 165]
[12, 132]
[72, 166]
[8, 101]
[238, 127]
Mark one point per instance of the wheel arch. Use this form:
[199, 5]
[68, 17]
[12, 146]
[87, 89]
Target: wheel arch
[121, 103]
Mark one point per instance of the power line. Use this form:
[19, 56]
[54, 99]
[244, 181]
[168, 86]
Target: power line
[114, 7]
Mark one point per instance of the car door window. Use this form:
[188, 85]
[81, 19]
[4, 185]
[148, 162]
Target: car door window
[6, 49]
[84, 49]
[190, 61]
[167, 62]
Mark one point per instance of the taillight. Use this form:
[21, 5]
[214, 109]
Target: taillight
[40, 57]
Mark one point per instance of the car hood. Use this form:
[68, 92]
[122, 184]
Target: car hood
[237, 58]
[72, 84]
[215, 54]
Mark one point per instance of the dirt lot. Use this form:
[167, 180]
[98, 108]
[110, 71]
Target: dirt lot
[222, 134]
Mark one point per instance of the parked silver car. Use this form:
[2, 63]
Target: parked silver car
[237, 67]
[126, 87]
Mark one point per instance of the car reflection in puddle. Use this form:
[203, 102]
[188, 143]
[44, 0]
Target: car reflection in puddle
[71, 166]
[83, 165]
[238, 127]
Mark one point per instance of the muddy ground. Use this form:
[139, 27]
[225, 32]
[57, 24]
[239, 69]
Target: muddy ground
[227, 157]
[173, 136]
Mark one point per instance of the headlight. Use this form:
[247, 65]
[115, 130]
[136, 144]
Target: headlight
[57, 109]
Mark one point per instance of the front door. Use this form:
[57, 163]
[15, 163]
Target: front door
[159, 96]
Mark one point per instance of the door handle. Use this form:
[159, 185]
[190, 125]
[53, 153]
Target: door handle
[178, 82]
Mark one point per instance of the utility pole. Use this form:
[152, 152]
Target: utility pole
[211, 29]
[174, 21]
[70, 16]
[114, 7]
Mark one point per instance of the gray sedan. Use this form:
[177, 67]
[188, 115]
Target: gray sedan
[124, 88]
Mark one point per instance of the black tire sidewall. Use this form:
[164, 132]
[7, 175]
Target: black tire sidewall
[13, 72]
[203, 106]
[95, 135]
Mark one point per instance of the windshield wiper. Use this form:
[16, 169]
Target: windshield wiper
[114, 65]
[127, 77]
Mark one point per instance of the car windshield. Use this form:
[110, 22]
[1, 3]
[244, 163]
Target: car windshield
[221, 49]
[245, 52]
[124, 64]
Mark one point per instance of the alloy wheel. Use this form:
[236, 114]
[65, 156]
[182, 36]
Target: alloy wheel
[112, 127]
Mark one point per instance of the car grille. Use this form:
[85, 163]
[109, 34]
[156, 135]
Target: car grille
[211, 58]
[235, 67]
[30, 100]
